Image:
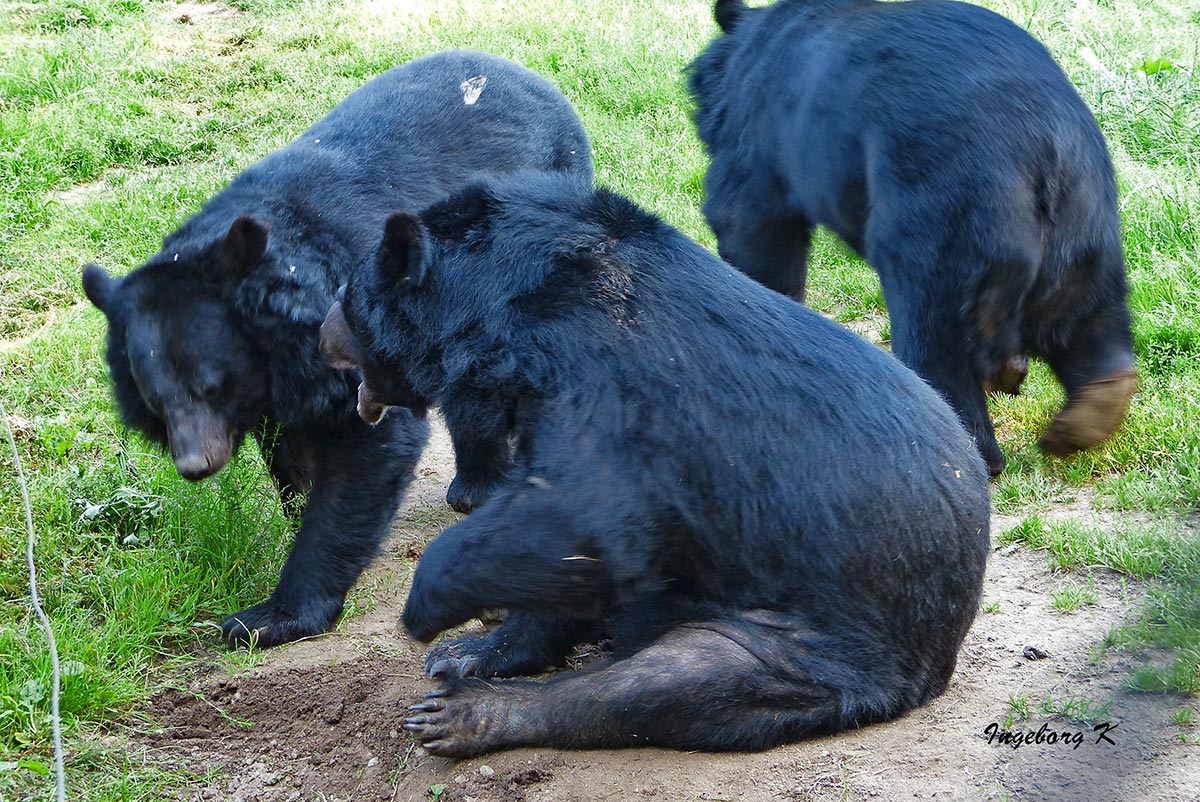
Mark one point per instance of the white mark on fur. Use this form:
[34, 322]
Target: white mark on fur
[472, 88]
[175, 258]
[539, 483]
[291, 268]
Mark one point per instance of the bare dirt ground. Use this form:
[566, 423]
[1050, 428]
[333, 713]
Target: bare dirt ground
[321, 719]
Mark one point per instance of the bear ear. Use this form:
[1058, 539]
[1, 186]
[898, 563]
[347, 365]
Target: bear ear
[245, 244]
[97, 286]
[456, 216]
[728, 13]
[404, 253]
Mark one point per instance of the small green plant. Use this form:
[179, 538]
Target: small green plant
[403, 766]
[1185, 717]
[990, 607]
[1019, 709]
[1071, 596]
[1076, 709]
[1156, 66]
[1030, 531]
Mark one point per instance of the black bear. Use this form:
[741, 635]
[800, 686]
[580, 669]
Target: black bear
[784, 527]
[217, 334]
[943, 144]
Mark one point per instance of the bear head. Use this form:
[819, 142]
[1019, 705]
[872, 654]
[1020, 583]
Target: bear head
[184, 371]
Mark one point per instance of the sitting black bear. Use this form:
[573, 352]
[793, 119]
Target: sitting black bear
[943, 144]
[216, 335]
[785, 527]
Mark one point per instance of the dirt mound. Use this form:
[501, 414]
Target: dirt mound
[322, 719]
[276, 733]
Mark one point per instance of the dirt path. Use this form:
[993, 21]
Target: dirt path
[321, 719]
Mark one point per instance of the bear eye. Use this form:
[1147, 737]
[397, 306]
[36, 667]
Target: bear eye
[207, 389]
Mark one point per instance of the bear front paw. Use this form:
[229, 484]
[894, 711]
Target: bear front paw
[469, 493]
[269, 624]
[470, 656]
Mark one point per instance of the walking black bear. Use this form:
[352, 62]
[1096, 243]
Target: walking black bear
[945, 146]
[786, 527]
[216, 335]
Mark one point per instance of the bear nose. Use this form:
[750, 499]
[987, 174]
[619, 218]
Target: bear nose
[193, 467]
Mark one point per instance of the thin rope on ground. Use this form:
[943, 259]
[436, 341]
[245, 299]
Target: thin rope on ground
[60, 773]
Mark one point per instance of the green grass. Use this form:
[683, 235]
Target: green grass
[1071, 597]
[1020, 708]
[1185, 717]
[135, 566]
[103, 772]
[1076, 709]
[1164, 553]
[117, 120]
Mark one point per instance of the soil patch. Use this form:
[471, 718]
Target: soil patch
[199, 13]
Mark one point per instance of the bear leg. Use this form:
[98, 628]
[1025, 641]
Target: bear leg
[773, 252]
[724, 685]
[523, 550]
[479, 427]
[1096, 369]
[361, 475]
[926, 340]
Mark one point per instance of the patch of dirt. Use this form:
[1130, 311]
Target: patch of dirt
[199, 13]
[1078, 505]
[92, 190]
[184, 27]
[870, 327]
[322, 719]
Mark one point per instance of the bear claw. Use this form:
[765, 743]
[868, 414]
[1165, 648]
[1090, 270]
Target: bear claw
[453, 668]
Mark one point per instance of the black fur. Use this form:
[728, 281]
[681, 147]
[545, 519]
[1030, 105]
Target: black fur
[945, 146]
[784, 526]
[216, 335]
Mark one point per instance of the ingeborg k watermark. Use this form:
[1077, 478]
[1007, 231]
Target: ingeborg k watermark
[1044, 735]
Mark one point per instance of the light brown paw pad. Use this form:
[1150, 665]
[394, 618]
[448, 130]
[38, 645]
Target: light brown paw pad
[1092, 416]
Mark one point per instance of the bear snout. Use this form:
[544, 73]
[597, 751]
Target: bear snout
[337, 341]
[201, 445]
[194, 466]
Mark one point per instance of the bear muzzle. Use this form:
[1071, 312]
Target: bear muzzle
[201, 445]
[338, 347]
